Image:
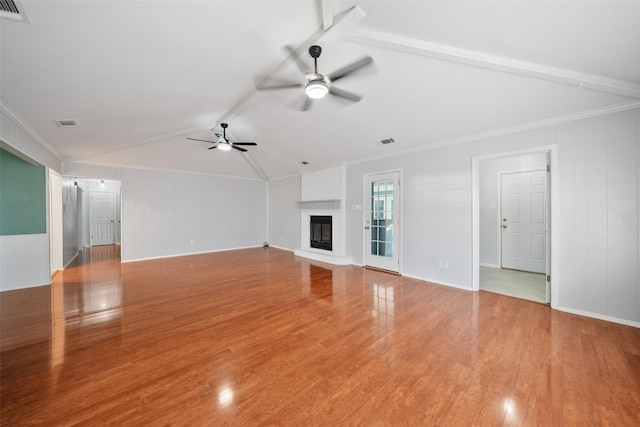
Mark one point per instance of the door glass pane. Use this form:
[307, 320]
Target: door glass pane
[382, 218]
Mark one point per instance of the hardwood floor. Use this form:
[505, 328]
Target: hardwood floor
[260, 337]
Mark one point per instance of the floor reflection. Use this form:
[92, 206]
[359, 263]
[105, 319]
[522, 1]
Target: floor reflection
[383, 305]
[321, 281]
[92, 287]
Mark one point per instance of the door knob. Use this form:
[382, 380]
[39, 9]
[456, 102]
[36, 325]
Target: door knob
[504, 225]
[366, 228]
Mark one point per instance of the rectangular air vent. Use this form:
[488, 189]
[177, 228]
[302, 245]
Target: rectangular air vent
[67, 123]
[387, 141]
[13, 9]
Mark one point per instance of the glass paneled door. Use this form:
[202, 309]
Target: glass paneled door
[381, 224]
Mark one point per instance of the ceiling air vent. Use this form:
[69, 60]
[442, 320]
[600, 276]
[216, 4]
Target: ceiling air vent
[66, 123]
[387, 141]
[13, 9]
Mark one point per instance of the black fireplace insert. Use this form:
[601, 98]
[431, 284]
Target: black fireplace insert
[320, 232]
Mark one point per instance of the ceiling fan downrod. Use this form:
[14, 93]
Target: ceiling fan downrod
[315, 51]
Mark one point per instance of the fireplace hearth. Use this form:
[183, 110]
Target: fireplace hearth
[320, 232]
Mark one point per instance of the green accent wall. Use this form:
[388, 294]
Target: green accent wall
[23, 198]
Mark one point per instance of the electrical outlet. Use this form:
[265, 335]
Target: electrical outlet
[192, 242]
[440, 263]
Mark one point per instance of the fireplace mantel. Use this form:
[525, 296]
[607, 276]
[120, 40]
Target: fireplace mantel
[319, 204]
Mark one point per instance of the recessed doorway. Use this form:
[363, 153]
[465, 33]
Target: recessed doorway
[512, 251]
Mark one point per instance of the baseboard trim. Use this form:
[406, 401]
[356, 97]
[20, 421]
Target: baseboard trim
[600, 316]
[382, 270]
[71, 260]
[281, 248]
[438, 282]
[190, 253]
[486, 264]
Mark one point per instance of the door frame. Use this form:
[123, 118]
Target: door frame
[86, 185]
[55, 221]
[397, 236]
[554, 220]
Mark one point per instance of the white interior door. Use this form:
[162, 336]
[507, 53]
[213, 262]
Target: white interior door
[102, 218]
[382, 228]
[524, 221]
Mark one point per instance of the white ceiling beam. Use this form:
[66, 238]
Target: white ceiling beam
[341, 24]
[327, 14]
[493, 62]
[256, 168]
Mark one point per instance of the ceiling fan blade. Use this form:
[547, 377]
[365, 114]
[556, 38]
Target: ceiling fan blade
[299, 62]
[202, 140]
[348, 69]
[211, 148]
[238, 148]
[307, 104]
[344, 94]
[281, 85]
[244, 143]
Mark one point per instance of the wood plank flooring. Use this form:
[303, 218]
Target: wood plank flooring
[261, 337]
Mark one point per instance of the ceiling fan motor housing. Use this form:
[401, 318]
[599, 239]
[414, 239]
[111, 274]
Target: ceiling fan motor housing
[315, 51]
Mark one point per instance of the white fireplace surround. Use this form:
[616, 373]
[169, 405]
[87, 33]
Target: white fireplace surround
[322, 194]
[334, 256]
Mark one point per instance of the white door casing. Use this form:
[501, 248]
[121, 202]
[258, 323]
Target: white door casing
[524, 221]
[382, 221]
[102, 218]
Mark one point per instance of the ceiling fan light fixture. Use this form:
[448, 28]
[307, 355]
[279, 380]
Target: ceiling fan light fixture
[316, 89]
[224, 147]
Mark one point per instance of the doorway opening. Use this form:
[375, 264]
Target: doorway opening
[92, 214]
[513, 219]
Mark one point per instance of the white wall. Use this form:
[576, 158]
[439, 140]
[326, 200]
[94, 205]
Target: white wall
[599, 194]
[284, 215]
[25, 259]
[435, 213]
[168, 213]
[489, 209]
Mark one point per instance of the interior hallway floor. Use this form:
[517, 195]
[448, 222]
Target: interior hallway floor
[519, 284]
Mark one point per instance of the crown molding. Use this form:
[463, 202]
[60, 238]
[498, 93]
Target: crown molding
[492, 62]
[508, 130]
[15, 117]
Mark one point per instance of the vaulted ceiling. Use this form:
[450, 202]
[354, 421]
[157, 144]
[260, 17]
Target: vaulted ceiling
[140, 77]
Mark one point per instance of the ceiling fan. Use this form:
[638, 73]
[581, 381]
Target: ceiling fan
[318, 85]
[223, 142]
